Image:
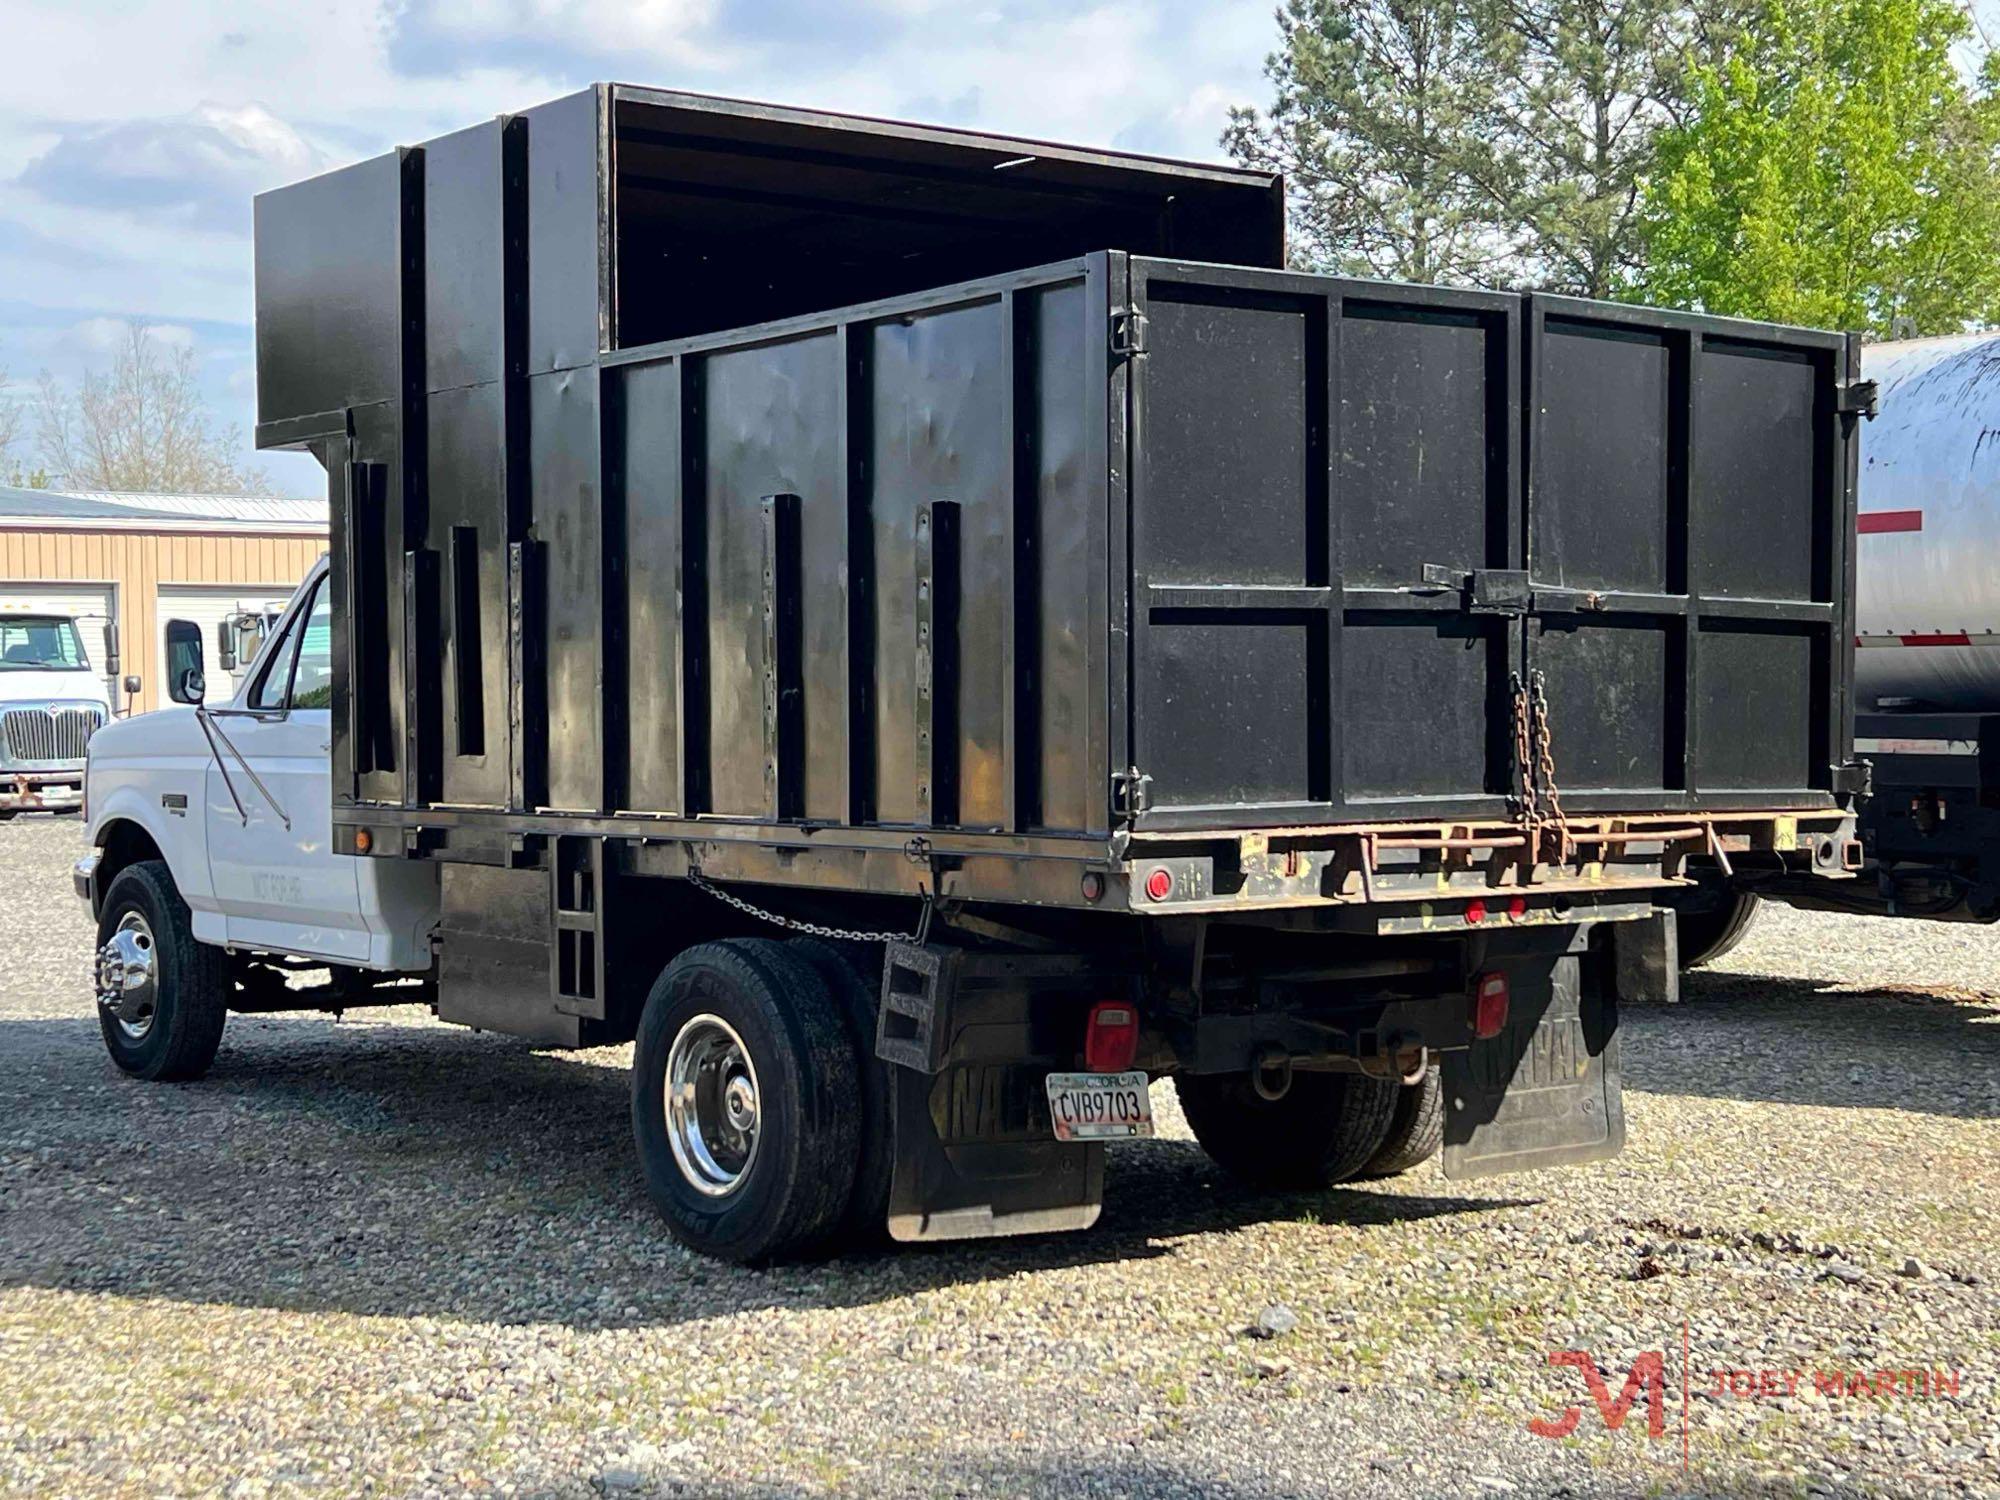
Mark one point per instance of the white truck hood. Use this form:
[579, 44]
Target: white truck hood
[40, 688]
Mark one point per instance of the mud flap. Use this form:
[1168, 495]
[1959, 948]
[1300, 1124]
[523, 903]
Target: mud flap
[1545, 1092]
[974, 1158]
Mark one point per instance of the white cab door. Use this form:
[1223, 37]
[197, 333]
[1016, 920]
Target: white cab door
[277, 879]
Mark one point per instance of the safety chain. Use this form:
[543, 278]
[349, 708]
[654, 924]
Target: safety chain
[1534, 756]
[1524, 762]
[1545, 766]
[816, 929]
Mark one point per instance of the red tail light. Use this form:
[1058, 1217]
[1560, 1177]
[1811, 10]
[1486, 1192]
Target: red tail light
[1111, 1040]
[1489, 1004]
[1475, 910]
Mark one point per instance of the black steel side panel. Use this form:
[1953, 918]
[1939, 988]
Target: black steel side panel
[464, 259]
[567, 535]
[467, 531]
[567, 250]
[329, 292]
[863, 553]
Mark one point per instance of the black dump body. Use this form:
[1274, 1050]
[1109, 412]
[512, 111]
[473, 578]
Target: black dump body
[851, 505]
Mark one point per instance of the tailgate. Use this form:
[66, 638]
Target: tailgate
[1362, 515]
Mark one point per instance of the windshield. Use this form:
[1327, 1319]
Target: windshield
[35, 643]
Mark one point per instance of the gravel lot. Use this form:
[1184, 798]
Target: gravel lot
[393, 1257]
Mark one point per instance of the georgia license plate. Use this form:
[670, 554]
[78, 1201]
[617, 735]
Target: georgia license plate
[1100, 1106]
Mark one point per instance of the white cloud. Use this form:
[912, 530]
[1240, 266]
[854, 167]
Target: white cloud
[672, 30]
[100, 335]
[131, 146]
[196, 169]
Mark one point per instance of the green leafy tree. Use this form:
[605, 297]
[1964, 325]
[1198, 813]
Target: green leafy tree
[1838, 169]
[1585, 87]
[1497, 142]
[1380, 125]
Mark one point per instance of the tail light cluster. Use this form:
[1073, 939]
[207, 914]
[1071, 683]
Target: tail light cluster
[1489, 1004]
[1111, 1039]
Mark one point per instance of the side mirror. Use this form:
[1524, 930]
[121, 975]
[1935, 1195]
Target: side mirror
[186, 680]
[225, 645]
[132, 684]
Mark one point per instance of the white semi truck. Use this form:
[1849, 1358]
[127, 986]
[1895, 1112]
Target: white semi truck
[52, 700]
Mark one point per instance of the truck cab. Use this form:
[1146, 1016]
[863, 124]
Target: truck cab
[52, 701]
[233, 799]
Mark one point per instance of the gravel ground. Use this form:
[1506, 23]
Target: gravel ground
[393, 1257]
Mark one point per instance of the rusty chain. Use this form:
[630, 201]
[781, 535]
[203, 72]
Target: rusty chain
[1524, 762]
[1545, 765]
[814, 929]
[1534, 758]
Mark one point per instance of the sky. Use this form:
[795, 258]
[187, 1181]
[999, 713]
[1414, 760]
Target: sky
[133, 135]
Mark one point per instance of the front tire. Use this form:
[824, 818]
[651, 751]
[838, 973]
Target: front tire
[162, 996]
[745, 1101]
[1320, 1131]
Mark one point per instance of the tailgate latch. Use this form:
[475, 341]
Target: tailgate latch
[1488, 591]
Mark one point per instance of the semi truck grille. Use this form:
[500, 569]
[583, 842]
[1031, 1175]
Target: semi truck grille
[34, 735]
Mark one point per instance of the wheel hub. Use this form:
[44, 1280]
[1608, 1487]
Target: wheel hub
[126, 978]
[714, 1116]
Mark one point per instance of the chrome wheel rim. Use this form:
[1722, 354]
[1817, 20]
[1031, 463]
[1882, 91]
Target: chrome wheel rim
[128, 976]
[714, 1112]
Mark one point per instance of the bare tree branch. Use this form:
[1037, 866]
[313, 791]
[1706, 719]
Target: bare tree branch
[140, 425]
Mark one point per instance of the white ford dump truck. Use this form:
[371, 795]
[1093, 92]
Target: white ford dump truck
[925, 635]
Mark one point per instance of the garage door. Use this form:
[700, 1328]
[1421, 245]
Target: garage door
[207, 606]
[89, 604]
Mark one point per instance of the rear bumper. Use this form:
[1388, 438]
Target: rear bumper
[1426, 876]
[50, 791]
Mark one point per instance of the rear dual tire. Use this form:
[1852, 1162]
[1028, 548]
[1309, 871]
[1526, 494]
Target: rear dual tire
[1706, 935]
[1325, 1128]
[1416, 1128]
[748, 1100]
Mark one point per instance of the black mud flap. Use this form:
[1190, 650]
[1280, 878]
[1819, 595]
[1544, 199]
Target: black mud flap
[1545, 1092]
[975, 1157]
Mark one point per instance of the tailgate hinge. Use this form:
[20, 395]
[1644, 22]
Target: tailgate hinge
[1131, 793]
[1128, 332]
[1857, 398]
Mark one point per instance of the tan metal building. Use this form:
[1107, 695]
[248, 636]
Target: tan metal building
[126, 564]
